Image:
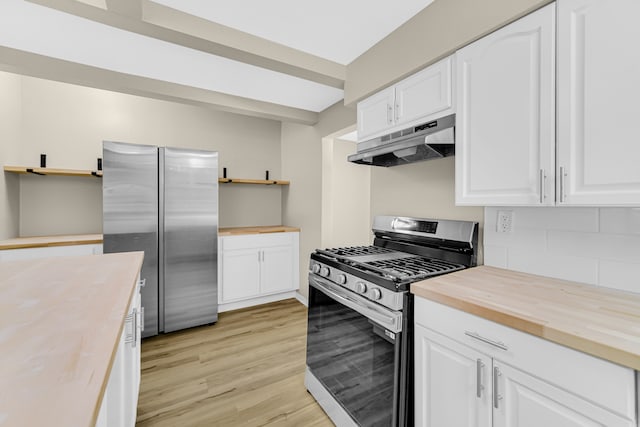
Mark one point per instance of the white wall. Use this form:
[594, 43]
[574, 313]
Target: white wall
[10, 114]
[599, 246]
[346, 189]
[69, 123]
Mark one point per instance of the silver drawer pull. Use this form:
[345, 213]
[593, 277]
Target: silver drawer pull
[479, 337]
[142, 282]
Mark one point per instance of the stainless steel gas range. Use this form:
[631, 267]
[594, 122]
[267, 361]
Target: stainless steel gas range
[360, 324]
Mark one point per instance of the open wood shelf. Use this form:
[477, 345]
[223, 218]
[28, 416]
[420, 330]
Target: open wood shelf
[252, 181]
[52, 171]
[80, 172]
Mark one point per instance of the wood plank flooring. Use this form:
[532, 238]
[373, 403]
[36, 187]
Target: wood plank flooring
[246, 370]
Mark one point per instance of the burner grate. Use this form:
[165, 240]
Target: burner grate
[413, 268]
[355, 251]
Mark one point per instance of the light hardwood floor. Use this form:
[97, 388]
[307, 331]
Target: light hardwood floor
[246, 370]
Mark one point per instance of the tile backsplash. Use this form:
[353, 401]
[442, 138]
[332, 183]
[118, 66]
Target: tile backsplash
[599, 246]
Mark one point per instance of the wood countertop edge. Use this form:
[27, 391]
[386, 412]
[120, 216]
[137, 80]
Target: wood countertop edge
[237, 231]
[50, 241]
[105, 381]
[536, 327]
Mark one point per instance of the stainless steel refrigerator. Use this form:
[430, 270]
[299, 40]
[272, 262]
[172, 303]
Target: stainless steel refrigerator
[164, 201]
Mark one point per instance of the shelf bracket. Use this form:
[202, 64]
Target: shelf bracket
[30, 170]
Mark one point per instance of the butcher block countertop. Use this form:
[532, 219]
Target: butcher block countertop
[598, 321]
[232, 231]
[60, 324]
[48, 241]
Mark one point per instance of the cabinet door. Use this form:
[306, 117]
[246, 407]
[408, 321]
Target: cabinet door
[525, 401]
[240, 274]
[375, 114]
[425, 94]
[452, 383]
[277, 269]
[598, 110]
[505, 123]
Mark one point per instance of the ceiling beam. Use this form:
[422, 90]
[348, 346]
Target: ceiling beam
[130, 8]
[176, 27]
[31, 64]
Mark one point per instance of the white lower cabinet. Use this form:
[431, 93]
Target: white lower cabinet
[257, 265]
[473, 372]
[449, 391]
[120, 400]
[524, 400]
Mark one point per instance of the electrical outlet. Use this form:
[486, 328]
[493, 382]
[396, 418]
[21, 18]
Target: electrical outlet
[505, 222]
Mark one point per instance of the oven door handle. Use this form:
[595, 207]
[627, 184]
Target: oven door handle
[384, 317]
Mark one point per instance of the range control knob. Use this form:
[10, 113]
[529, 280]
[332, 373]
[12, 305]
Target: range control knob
[342, 279]
[361, 287]
[324, 271]
[376, 294]
[315, 268]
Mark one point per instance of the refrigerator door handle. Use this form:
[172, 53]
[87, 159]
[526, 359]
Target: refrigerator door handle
[161, 243]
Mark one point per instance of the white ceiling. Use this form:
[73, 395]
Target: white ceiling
[331, 29]
[33, 28]
[338, 30]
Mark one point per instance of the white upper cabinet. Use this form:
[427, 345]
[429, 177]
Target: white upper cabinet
[375, 114]
[421, 97]
[598, 109]
[505, 123]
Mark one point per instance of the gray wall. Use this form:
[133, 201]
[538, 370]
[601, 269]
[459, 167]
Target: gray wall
[437, 31]
[10, 101]
[302, 163]
[69, 123]
[424, 190]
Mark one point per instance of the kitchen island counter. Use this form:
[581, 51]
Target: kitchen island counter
[60, 324]
[598, 321]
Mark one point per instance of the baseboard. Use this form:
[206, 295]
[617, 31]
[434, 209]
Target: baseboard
[303, 300]
[236, 305]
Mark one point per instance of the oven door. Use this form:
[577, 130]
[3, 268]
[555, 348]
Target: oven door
[353, 350]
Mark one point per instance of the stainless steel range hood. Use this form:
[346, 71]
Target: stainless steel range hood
[431, 140]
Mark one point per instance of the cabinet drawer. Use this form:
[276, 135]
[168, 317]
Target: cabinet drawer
[607, 384]
[249, 241]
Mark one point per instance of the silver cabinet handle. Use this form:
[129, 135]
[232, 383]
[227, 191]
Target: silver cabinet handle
[479, 386]
[479, 337]
[542, 181]
[397, 111]
[132, 319]
[390, 113]
[562, 183]
[134, 341]
[141, 319]
[496, 396]
[142, 282]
